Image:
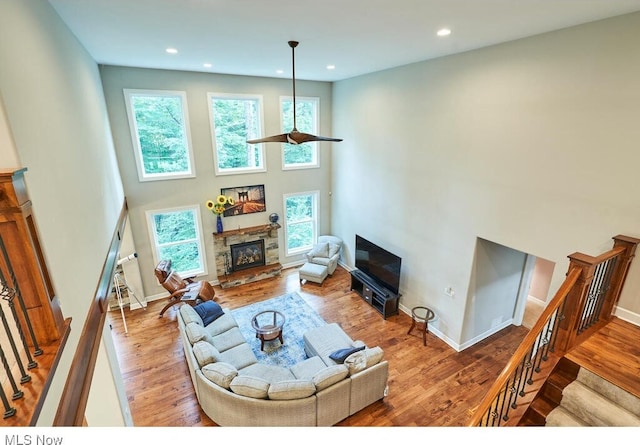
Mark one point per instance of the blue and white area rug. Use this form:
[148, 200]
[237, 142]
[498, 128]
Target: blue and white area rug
[299, 317]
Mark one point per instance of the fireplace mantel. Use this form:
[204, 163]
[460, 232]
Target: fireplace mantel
[222, 242]
[270, 229]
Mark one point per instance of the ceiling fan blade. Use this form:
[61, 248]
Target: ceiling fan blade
[277, 138]
[294, 137]
[301, 138]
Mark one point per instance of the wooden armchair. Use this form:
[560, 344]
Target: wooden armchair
[181, 290]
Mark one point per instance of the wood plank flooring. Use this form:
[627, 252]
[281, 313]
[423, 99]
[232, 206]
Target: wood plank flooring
[613, 353]
[429, 385]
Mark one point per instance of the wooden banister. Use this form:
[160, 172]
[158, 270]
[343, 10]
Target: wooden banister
[486, 410]
[584, 302]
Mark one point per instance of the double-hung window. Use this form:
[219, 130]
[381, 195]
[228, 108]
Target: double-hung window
[160, 134]
[176, 235]
[236, 118]
[301, 221]
[303, 155]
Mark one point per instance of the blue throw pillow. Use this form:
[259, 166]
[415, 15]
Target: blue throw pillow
[341, 355]
[209, 311]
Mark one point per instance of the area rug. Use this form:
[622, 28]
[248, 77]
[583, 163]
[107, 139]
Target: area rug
[299, 317]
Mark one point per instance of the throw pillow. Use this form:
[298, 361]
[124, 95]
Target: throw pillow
[196, 333]
[205, 353]
[190, 315]
[209, 311]
[356, 362]
[374, 355]
[222, 374]
[248, 386]
[333, 249]
[319, 250]
[291, 389]
[340, 355]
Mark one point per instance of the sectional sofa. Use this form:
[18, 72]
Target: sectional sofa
[235, 389]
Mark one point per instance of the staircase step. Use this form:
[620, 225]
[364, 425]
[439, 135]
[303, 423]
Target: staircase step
[593, 408]
[612, 392]
[561, 417]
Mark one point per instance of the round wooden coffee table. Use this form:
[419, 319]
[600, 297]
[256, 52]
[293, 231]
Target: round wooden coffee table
[268, 326]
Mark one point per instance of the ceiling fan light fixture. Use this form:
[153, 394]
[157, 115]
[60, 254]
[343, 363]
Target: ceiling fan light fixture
[294, 137]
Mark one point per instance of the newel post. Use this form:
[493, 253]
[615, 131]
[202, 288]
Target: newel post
[575, 300]
[620, 274]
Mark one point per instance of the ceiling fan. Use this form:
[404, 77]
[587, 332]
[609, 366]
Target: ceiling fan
[294, 137]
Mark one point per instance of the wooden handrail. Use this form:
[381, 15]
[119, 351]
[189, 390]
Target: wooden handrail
[525, 347]
[73, 403]
[583, 303]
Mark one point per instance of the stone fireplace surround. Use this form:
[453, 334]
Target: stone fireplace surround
[222, 243]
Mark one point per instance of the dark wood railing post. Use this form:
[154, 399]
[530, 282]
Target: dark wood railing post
[620, 274]
[575, 301]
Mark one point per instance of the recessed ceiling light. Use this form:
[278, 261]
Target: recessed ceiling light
[207, 65]
[444, 32]
[172, 51]
[280, 71]
[331, 67]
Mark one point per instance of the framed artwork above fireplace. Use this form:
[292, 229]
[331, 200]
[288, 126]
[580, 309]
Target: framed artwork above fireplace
[247, 199]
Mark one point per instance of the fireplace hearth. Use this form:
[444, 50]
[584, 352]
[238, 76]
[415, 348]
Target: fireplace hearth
[247, 255]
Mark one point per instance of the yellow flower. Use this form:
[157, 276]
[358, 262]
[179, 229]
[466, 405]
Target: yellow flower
[209, 204]
[218, 209]
[221, 199]
[230, 201]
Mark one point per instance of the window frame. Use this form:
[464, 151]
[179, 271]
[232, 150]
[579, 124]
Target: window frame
[143, 176]
[211, 96]
[316, 130]
[315, 194]
[155, 246]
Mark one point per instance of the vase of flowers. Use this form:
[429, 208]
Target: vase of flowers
[218, 207]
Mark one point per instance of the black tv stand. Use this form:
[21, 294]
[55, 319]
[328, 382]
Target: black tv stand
[382, 300]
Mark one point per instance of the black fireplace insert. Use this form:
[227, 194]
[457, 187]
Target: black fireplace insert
[247, 255]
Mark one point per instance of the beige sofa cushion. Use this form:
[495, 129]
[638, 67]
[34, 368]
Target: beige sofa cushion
[250, 386]
[356, 362]
[228, 339]
[270, 373]
[329, 376]
[291, 389]
[374, 355]
[307, 368]
[189, 315]
[222, 374]
[205, 353]
[196, 332]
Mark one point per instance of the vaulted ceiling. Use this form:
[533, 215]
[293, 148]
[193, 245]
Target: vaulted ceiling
[249, 37]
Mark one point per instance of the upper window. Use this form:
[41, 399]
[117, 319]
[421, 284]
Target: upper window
[236, 119]
[303, 155]
[301, 221]
[176, 235]
[160, 134]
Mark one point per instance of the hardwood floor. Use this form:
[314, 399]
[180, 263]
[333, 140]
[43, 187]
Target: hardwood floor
[429, 385]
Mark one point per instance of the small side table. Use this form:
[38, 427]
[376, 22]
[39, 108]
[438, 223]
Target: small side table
[421, 316]
[271, 327]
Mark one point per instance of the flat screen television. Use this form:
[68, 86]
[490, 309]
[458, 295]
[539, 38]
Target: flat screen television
[379, 264]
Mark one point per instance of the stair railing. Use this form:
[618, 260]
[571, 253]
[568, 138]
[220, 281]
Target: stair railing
[582, 304]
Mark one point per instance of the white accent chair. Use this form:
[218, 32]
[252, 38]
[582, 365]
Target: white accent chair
[326, 252]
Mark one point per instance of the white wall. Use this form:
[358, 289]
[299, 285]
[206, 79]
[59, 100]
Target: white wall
[532, 144]
[154, 195]
[56, 112]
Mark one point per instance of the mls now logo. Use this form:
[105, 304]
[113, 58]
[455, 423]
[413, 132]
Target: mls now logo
[28, 439]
